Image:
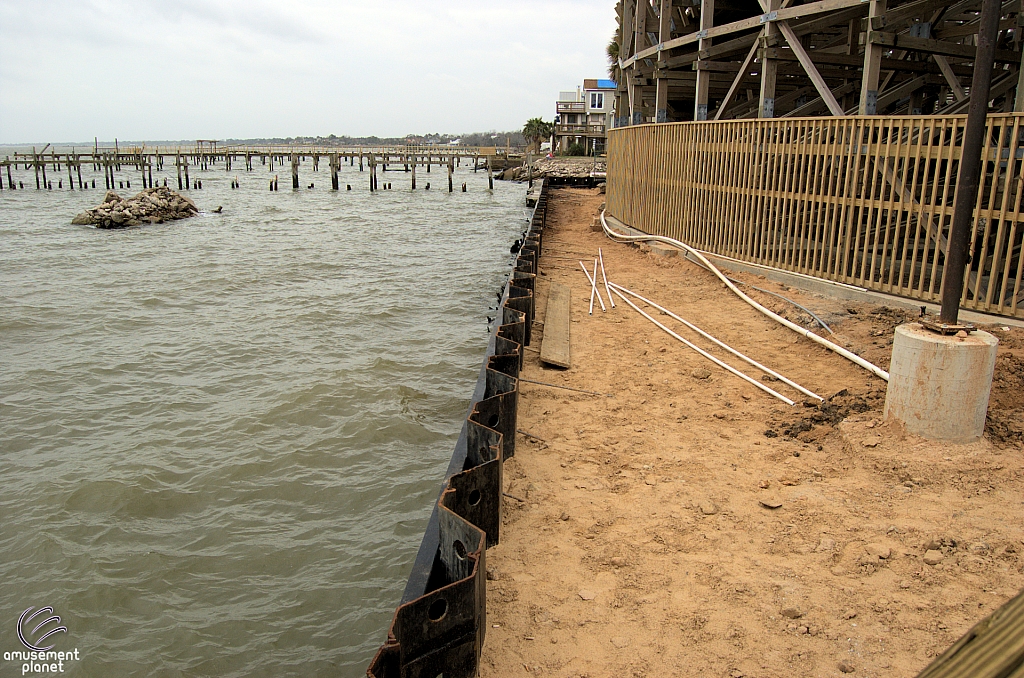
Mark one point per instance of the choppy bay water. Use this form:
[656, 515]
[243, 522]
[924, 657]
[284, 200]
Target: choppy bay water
[220, 438]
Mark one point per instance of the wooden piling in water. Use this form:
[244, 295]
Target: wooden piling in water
[414, 175]
[490, 174]
[451, 169]
[295, 171]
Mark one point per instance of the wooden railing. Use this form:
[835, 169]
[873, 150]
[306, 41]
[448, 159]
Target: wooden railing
[865, 201]
[592, 128]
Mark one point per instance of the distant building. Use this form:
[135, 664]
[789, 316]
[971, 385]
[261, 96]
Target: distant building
[584, 116]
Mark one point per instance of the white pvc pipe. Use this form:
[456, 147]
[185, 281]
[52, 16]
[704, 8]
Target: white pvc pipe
[704, 353]
[728, 348]
[600, 257]
[593, 287]
[597, 291]
[849, 355]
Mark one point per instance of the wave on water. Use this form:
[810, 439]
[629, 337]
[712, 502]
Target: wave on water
[223, 436]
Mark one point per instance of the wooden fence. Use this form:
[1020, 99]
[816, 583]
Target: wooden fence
[866, 201]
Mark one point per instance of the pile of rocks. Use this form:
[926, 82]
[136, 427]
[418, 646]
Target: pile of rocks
[579, 168]
[153, 205]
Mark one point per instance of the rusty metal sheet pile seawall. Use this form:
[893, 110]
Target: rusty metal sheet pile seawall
[438, 628]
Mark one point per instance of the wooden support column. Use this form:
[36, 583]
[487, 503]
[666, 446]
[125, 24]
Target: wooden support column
[1018, 102]
[621, 106]
[707, 20]
[78, 171]
[414, 173]
[636, 101]
[187, 184]
[490, 174]
[335, 166]
[769, 67]
[664, 35]
[295, 171]
[71, 178]
[450, 170]
[636, 92]
[624, 107]
[872, 60]
[177, 163]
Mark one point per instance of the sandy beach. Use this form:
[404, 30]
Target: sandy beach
[687, 523]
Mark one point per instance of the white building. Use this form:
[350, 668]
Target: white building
[583, 117]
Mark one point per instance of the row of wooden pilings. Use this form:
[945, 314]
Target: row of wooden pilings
[111, 162]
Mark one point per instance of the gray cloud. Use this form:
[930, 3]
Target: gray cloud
[215, 68]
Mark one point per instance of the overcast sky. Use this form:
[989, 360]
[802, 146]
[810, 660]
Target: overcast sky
[71, 70]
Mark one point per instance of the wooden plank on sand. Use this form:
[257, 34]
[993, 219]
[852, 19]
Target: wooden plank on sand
[554, 349]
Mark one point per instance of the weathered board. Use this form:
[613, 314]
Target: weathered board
[554, 349]
[994, 648]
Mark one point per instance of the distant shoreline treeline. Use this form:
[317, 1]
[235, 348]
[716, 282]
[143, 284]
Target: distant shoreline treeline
[474, 139]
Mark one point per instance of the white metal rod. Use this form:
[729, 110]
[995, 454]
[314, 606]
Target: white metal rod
[849, 355]
[600, 257]
[705, 353]
[596, 291]
[728, 348]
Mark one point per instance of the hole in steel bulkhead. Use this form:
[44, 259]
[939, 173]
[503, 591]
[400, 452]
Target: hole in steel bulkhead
[438, 609]
[460, 549]
[474, 497]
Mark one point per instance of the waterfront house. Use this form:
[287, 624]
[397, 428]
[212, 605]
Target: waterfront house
[584, 116]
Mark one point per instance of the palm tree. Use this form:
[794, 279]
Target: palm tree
[612, 51]
[536, 130]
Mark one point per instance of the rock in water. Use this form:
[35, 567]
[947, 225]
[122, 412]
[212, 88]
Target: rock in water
[153, 205]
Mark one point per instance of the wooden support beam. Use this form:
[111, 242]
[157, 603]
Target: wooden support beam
[707, 14]
[872, 62]
[769, 67]
[782, 14]
[1018, 102]
[950, 76]
[740, 76]
[954, 49]
[812, 72]
[664, 35]
[854, 61]
[816, 104]
[636, 92]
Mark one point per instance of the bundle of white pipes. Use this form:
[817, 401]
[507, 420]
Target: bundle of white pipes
[621, 291]
[852, 357]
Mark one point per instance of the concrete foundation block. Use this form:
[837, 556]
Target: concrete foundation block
[939, 385]
[661, 250]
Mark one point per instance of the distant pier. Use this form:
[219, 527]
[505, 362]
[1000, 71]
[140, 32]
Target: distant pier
[141, 161]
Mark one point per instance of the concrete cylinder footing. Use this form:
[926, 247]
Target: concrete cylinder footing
[939, 385]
